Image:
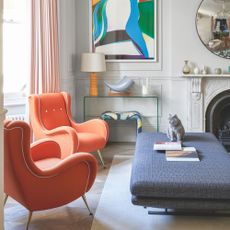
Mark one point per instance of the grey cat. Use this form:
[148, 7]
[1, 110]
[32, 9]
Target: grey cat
[175, 129]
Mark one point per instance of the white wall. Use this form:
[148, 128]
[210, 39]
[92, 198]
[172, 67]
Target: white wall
[185, 41]
[178, 42]
[68, 44]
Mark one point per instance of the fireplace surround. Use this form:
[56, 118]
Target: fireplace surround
[218, 117]
[207, 94]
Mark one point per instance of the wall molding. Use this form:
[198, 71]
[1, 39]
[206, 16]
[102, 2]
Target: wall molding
[82, 76]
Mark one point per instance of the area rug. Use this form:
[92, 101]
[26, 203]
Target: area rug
[116, 212]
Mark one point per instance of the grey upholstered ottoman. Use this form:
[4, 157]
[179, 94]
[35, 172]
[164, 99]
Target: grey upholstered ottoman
[158, 183]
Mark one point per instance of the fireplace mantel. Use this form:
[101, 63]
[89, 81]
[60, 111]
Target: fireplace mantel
[202, 89]
[197, 80]
[205, 75]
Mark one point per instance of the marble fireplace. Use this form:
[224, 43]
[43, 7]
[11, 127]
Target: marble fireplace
[209, 107]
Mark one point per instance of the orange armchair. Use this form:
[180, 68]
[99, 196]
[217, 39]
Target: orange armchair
[50, 117]
[37, 177]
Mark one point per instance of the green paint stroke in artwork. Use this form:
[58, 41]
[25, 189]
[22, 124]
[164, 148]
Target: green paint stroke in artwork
[146, 20]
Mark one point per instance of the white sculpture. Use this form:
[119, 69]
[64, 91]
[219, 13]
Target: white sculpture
[122, 86]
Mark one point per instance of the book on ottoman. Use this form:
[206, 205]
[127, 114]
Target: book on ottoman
[163, 145]
[186, 154]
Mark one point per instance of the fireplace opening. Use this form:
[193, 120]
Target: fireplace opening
[218, 118]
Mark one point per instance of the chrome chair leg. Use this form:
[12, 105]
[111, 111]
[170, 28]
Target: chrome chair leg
[6, 197]
[86, 204]
[29, 219]
[101, 159]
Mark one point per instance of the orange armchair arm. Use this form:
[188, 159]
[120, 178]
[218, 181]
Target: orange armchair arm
[43, 149]
[66, 137]
[66, 164]
[97, 126]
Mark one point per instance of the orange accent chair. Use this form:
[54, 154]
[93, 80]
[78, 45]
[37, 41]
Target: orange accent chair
[37, 177]
[50, 117]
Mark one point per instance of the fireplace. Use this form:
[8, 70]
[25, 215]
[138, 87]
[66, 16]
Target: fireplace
[218, 117]
[209, 105]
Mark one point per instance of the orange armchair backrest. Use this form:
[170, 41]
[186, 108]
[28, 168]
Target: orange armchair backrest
[53, 111]
[50, 117]
[16, 158]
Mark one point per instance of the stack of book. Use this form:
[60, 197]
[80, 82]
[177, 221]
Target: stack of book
[163, 145]
[175, 152]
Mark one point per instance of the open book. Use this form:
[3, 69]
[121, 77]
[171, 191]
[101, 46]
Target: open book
[186, 154]
[163, 145]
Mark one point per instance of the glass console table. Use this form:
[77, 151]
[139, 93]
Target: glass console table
[100, 100]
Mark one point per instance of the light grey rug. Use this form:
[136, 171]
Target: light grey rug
[116, 212]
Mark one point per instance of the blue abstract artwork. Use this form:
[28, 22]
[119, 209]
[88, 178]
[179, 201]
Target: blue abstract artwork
[124, 29]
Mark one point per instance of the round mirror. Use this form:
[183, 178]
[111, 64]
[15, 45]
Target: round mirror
[213, 26]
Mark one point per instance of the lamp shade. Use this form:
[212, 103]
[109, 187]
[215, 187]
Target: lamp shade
[93, 62]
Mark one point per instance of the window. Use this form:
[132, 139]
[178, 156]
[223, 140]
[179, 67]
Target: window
[16, 47]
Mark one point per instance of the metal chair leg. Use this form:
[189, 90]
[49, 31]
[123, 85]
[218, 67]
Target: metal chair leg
[86, 204]
[101, 159]
[6, 197]
[29, 219]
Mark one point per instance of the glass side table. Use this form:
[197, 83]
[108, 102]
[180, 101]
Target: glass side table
[132, 97]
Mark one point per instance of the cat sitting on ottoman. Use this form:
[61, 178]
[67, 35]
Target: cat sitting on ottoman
[175, 129]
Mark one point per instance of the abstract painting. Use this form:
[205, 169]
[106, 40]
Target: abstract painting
[124, 29]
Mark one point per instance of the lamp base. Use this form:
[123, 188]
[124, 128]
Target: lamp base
[93, 91]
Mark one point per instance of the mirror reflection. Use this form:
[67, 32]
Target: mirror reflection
[213, 26]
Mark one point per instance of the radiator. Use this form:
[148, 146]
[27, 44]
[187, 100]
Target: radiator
[16, 117]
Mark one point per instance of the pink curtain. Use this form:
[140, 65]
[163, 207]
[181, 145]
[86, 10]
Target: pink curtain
[45, 72]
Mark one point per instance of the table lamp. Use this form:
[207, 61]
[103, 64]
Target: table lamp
[93, 63]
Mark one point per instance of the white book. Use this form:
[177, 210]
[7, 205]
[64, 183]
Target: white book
[164, 145]
[186, 154]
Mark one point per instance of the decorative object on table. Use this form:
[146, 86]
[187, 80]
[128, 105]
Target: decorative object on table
[131, 37]
[204, 71]
[196, 70]
[175, 130]
[120, 88]
[93, 63]
[145, 90]
[123, 116]
[186, 68]
[186, 154]
[214, 34]
[218, 71]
